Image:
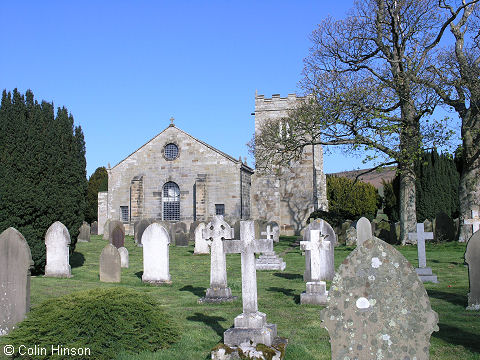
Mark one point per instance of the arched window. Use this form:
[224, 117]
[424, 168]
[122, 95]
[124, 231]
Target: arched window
[171, 201]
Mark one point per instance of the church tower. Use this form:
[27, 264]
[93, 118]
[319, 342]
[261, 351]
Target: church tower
[290, 197]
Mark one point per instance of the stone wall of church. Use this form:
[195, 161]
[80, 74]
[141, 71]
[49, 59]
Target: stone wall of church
[287, 196]
[102, 210]
[205, 178]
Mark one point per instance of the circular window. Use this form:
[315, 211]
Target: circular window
[171, 151]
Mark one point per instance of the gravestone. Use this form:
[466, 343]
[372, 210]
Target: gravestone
[181, 238]
[472, 258]
[84, 235]
[106, 230]
[275, 229]
[444, 228]
[327, 230]
[474, 221]
[269, 260]
[236, 229]
[123, 257]
[57, 241]
[156, 267]
[364, 230]
[350, 236]
[216, 232]
[191, 231]
[201, 245]
[251, 325]
[110, 264]
[320, 253]
[180, 226]
[139, 229]
[260, 227]
[15, 263]
[428, 225]
[117, 235]
[424, 272]
[94, 228]
[378, 307]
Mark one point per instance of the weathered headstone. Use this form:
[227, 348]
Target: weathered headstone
[350, 236]
[106, 230]
[474, 221]
[181, 238]
[424, 272]
[94, 228]
[260, 227]
[156, 267]
[251, 325]
[320, 253]
[123, 257]
[139, 229]
[117, 235]
[110, 264]
[327, 231]
[364, 230]
[269, 260]
[201, 245]
[275, 230]
[191, 230]
[57, 241]
[377, 307]
[84, 235]
[15, 263]
[472, 258]
[444, 228]
[428, 225]
[217, 231]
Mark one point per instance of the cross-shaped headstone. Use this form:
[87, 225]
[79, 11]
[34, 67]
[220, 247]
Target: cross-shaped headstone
[216, 231]
[421, 236]
[318, 246]
[474, 221]
[269, 233]
[247, 246]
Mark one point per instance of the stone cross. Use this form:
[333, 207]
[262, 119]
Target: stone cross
[474, 221]
[318, 247]
[172, 119]
[251, 324]
[421, 236]
[217, 231]
[269, 233]
[327, 231]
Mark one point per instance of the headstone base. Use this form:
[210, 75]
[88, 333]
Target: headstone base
[270, 261]
[82, 240]
[316, 293]
[473, 304]
[217, 295]
[167, 281]
[67, 273]
[425, 275]
[251, 351]
[264, 335]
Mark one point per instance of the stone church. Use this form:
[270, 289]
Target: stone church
[177, 177]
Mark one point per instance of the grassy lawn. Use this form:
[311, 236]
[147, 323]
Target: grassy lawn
[278, 296]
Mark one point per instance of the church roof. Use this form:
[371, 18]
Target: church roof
[245, 167]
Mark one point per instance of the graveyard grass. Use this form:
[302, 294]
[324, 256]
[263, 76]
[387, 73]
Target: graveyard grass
[202, 325]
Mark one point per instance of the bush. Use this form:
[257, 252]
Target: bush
[107, 321]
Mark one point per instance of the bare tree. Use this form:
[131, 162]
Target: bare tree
[455, 77]
[361, 73]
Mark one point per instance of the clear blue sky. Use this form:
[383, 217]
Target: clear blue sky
[123, 68]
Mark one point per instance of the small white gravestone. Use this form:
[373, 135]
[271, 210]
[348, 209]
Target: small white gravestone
[327, 231]
[123, 257]
[269, 260]
[424, 272]
[320, 250]
[156, 266]
[57, 241]
[201, 245]
[251, 325]
[474, 221]
[217, 231]
[364, 230]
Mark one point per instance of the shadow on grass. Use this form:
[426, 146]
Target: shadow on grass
[77, 260]
[139, 274]
[455, 299]
[198, 291]
[212, 321]
[288, 276]
[457, 336]
[287, 292]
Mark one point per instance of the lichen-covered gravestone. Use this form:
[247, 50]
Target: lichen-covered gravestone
[139, 229]
[123, 257]
[327, 231]
[15, 263]
[57, 241]
[117, 234]
[364, 230]
[84, 234]
[155, 240]
[201, 245]
[472, 257]
[110, 264]
[378, 307]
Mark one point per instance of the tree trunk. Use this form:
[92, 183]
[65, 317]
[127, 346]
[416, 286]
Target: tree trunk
[408, 216]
